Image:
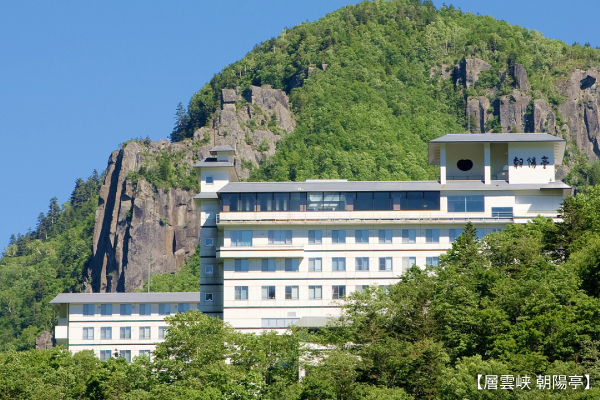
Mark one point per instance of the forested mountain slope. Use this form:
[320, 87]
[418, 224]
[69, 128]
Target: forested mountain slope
[354, 95]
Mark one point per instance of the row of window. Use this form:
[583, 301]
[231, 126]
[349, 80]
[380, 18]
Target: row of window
[315, 236]
[126, 309]
[126, 354]
[315, 292]
[315, 264]
[331, 201]
[106, 332]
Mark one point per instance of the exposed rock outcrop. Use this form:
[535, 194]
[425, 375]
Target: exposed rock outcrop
[469, 70]
[520, 75]
[140, 226]
[44, 341]
[480, 107]
[511, 110]
[544, 119]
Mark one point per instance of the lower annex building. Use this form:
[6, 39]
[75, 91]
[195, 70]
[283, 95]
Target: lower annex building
[281, 253]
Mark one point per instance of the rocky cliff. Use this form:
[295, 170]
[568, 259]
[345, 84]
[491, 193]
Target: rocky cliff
[139, 225]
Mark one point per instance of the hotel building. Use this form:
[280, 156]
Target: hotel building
[281, 253]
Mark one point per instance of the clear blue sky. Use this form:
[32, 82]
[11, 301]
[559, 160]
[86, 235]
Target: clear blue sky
[78, 78]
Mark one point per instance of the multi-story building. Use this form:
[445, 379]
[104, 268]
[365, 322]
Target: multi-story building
[275, 252]
[279, 253]
[127, 324]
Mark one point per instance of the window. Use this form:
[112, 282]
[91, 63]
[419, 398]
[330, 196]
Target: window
[144, 332]
[162, 332]
[315, 264]
[434, 261]
[209, 180]
[280, 237]
[282, 201]
[315, 202]
[502, 212]
[408, 262]
[105, 355]
[208, 269]
[208, 242]
[164, 309]
[145, 309]
[291, 292]
[278, 322]
[106, 332]
[88, 309]
[88, 333]
[125, 309]
[385, 236]
[338, 264]
[409, 236]
[247, 202]
[125, 332]
[360, 288]
[241, 238]
[208, 297]
[106, 309]
[183, 307]
[241, 292]
[331, 201]
[265, 201]
[145, 353]
[382, 201]
[361, 236]
[364, 201]
[315, 236]
[241, 265]
[126, 354]
[385, 263]
[466, 203]
[315, 293]
[338, 292]
[298, 201]
[338, 236]
[268, 265]
[268, 292]
[362, 263]
[453, 234]
[291, 265]
[432, 235]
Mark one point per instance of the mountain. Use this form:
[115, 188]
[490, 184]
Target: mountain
[355, 95]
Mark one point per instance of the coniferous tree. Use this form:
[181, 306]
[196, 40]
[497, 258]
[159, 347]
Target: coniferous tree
[181, 123]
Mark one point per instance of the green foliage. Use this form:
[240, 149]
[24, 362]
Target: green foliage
[37, 266]
[166, 170]
[187, 279]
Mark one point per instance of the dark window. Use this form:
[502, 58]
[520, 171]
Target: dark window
[282, 201]
[502, 212]
[431, 201]
[248, 201]
[399, 200]
[331, 201]
[343, 201]
[414, 201]
[464, 165]
[298, 201]
[230, 202]
[265, 201]
[381, 201]
[466, 203]
[364, 201]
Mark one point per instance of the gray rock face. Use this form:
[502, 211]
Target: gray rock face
[44, 341]
[480, 107]
[229, 95]
[520, 75]
[581, 110]
[544, 119]
[470, 69]
[511, 110]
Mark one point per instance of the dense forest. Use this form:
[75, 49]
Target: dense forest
[520, 302]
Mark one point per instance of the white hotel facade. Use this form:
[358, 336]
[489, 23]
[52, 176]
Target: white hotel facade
[281, 253]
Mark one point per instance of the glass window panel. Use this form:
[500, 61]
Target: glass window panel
[318, 292]
[88, 309]
[456, 203]
[268, 264]
[385, 263]
[475, 203]
[432, 235]
[246, 238]
[126, 354]
[265, 200]
[431, 201]
[183, 307]
[282, 201]
[315, 202]
[106, 309]
[298, 201]
[105, 355]
[164, 309]
[291, 292]
[342, 201]
[362, 263]
[398, 200]
[364, 201]
[350, 199]
[385, 236]
[434, 261]
[315, 236]
[338, 236]
[234, 202]
[106, 333]
[409, 235]
[248, 200]
[125, 309]
[268, 292]
[241, 293]
[381, 201]
[331, 201]
[125, 332]
[162, 332]
[291, 265]
[414, 200]
[145, 309]
[338, 264]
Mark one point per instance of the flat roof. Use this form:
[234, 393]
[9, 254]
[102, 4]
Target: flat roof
[382, 186]
[222, 148]
[496, 137]
[208, 162]
[84, 298]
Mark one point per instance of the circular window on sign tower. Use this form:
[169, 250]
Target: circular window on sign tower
[464, 165]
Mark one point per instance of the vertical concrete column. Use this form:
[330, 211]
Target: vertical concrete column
[487, 174]
[443, 163]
